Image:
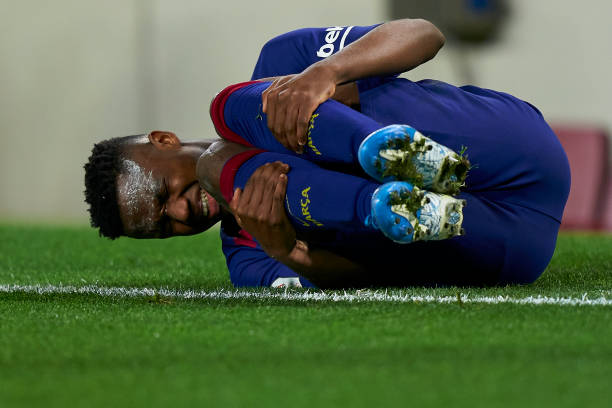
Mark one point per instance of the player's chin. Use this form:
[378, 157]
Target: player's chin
[196, 226]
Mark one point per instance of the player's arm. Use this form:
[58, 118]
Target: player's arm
[391, 48]
[347, 93]
[260, 210]
[250, 266]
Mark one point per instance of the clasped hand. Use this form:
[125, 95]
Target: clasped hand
[260, 209]
[290, 101]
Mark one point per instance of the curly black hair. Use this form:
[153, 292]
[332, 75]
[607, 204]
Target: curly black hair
[101, 171]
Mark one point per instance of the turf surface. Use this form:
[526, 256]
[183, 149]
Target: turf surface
[89, 350]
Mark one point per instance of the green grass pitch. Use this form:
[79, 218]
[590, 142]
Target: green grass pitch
[86, 349]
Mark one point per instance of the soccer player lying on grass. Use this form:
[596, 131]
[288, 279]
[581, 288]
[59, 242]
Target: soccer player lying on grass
[315, 185]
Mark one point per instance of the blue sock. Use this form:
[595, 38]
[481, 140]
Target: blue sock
[317, 199]
[334, 134]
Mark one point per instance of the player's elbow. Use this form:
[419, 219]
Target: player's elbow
[431, 34]
[419, 34]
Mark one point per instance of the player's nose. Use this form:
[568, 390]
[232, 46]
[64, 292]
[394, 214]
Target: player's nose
[178, 209]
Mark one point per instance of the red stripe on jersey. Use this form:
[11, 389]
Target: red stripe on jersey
[217, 113]
[229, 172]
[245, 239]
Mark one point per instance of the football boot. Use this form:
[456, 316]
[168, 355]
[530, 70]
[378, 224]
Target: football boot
[400, 152]
[405, 213]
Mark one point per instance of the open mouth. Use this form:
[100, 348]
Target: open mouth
[204, 200]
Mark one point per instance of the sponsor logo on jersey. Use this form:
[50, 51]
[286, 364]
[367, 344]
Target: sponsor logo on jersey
[310, 143]
[305, 202]
[331, 38]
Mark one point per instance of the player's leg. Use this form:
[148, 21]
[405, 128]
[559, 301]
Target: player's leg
[334, 133]
[512, 150]
[319, 199]
[316, 199]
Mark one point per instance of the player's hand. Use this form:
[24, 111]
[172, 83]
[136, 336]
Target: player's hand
[260, 209]
[290, 101]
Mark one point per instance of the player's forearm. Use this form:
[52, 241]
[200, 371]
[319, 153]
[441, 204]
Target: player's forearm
[325, 269]
[347, 94]
[391, 48]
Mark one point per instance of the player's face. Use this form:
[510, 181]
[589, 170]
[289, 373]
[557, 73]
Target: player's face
[159, 195]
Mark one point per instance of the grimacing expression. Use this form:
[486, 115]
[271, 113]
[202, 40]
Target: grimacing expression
[158, 193]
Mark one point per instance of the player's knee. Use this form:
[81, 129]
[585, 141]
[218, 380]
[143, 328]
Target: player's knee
[224, 120]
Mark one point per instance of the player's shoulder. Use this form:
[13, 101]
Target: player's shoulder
[325, 40]
[296, 50]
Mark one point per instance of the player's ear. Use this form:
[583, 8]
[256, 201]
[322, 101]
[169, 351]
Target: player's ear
[164, 140]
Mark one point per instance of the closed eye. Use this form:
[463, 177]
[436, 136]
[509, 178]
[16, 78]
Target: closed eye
[162, 194]
[164, 226]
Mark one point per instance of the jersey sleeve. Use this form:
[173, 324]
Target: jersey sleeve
[292, 52]
[249, 265]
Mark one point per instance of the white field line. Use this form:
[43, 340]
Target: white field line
[306, 296]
